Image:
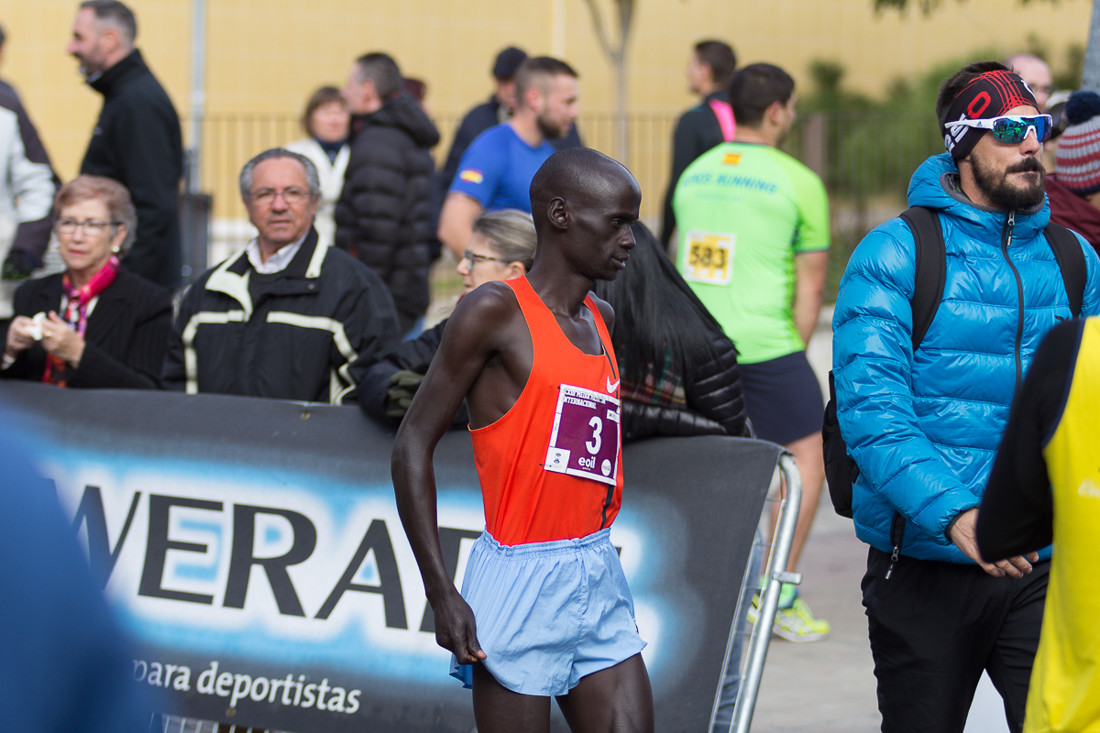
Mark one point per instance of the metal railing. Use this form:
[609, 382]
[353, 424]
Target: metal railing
[865, 159]
[775, 574]
[861, 156]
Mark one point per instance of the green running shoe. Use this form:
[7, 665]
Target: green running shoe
[797, 623]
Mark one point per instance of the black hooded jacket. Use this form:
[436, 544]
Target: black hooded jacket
[137, 142]
[383, 215]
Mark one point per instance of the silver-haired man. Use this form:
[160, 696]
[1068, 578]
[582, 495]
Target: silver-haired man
[286, 317]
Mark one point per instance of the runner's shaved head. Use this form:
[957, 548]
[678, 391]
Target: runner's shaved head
[573, 175]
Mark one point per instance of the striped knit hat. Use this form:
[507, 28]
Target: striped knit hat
[1078, 157]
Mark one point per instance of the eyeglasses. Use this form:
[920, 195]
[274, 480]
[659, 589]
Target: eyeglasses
[93, 227]
[293, 196]
[1011, 129]
[476, 258]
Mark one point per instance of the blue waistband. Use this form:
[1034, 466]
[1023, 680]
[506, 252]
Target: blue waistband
[533, 549]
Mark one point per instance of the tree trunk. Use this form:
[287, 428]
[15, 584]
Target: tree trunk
[1090, 79]
[617, 56]
[622, 148]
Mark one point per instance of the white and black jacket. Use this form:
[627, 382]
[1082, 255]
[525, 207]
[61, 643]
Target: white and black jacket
[27, 187]
[306, 333]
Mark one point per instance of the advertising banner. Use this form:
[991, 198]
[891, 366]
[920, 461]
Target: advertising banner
[255, 551]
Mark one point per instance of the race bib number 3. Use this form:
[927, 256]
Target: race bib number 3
[585, 439]
[709, 257]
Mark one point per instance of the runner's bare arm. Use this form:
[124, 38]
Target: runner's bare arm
[472, 338]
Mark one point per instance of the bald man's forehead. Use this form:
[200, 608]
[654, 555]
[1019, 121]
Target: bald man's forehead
[608, 181]
[1032, 69]
[577, 173]
[632, 189]
[612, 172]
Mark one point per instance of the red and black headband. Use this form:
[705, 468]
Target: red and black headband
[989, 95]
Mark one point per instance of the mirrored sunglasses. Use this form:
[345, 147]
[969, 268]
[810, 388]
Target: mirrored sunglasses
[1011, 129]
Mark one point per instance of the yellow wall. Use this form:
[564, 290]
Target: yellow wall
[265, 56]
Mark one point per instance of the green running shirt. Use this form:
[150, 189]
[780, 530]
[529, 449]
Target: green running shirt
[743, 211]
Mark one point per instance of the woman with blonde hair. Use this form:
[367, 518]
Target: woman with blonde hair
[502, 247]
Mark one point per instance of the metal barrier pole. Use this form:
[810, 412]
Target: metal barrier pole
[769, 600]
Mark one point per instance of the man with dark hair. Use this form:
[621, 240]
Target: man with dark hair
[923, 424]
[498, 109]
[702, 127]
[496, 171]
[754, 238]
[383, 216]
[137, 139]
[27, 187]
[288, 317]
[534, 361]
[755, 91]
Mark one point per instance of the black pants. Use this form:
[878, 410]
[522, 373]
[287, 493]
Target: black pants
[935, 627]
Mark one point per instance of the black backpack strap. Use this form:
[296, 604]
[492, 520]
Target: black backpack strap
[931, 267]
[1071, 261]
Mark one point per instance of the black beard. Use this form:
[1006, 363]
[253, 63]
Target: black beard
[1006, 195]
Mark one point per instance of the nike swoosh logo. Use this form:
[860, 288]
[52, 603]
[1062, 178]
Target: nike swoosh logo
[612, 386]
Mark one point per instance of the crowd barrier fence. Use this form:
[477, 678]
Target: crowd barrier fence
[255, 553]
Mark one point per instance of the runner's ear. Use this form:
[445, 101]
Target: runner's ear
[557, 211]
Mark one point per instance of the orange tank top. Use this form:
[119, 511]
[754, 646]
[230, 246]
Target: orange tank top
[551, 467]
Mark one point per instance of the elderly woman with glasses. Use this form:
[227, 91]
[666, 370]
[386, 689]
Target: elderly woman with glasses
[502, 247]
[95, 324]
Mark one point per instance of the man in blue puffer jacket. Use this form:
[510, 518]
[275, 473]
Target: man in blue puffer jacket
[924, 427]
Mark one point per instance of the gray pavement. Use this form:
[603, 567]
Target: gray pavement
[826, 686]
[829, 686]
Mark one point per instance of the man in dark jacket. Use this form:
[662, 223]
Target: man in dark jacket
[383, 217]
[499, 108]
[136, 140]
[288, 317]
[702, 127]
[496, 170]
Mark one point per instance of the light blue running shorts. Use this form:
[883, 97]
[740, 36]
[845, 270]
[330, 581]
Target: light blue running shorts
[548, 613]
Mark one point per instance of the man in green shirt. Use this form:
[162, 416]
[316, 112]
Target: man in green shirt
[753, 227]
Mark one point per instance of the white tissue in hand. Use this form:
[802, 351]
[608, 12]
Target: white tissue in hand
[35, 329]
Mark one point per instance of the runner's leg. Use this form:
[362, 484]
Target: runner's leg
[811, 469]
[499, 710]
[618, 699]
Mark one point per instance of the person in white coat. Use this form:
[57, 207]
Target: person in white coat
[326, 122]
[27, 188]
